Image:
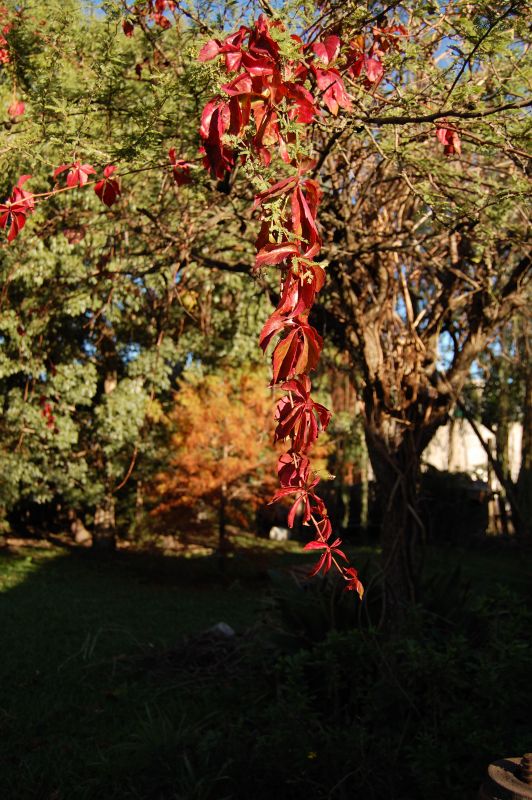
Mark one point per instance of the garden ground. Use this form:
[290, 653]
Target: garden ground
[95, 688]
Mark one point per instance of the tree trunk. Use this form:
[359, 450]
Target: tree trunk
[104, 534]
[520, 521]
[364, 490]
[501, 444]
[396, 471]
[78, 530]
[524, 480]
[222, 529]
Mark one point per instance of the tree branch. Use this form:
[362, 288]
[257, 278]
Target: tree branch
[404, 119]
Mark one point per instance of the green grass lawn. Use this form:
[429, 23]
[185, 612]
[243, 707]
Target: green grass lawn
[77, 633]
[70, 622]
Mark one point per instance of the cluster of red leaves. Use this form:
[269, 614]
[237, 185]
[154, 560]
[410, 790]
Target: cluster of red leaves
[449, 138]
[149, 11]
[264, 80]
[16, 209]
[370, 65]
[260, 105]
[47, 413]
[5, 57]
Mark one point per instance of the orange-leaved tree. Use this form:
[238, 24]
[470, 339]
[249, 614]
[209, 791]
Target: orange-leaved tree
[217, 463]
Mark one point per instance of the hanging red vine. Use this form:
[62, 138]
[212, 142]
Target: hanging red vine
[278, 85]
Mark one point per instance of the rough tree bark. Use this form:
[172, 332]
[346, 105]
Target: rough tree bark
[395, 447]
[524, 480]
[104, 532]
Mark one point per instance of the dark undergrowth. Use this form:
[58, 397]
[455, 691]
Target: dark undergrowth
[113, 687]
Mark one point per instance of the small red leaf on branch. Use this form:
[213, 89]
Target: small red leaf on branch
[449, 138]
[181, 169]
[16, 109]
[374, 69]
[305, 497]
[13, 212]
[299, 416]
[353, 584]
[329, 552]
[5, 57]
[219, 118]
[162, 21]
[108, 189]
[332, 86]
[78, 174]
[128, 27]
[327, 50]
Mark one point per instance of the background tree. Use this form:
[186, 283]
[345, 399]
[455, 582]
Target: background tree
[499, 396]
[216, 460]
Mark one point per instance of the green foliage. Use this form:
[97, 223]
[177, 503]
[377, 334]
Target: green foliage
[101, 309]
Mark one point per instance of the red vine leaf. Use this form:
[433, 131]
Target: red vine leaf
[300, 286]
[353, 583]
[449, 138]
[332, 86]
[128, 27]
[329, 552]
[293, 469]
[298, 352]
[16, 109]
[78, 174]
[13, 212]
[181, 169]
[298, 416]
[305, 497]
[327, 50]
[108, 189]
[274, 254]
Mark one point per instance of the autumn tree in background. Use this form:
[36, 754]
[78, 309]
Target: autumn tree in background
[216, 461]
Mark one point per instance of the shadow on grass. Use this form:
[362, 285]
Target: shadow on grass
[77, 703]
[69, 621]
